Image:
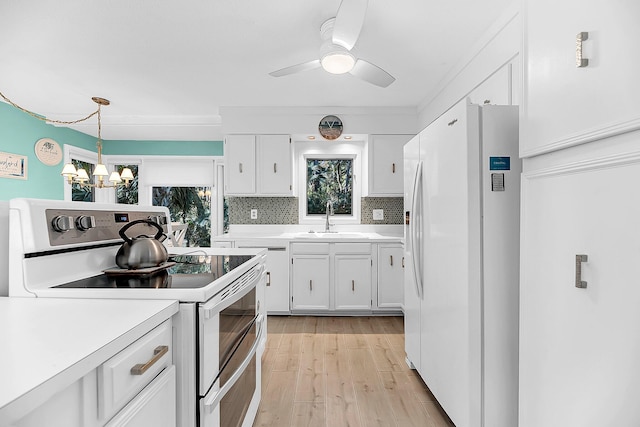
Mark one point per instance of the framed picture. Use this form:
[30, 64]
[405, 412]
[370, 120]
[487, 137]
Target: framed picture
[13, 166]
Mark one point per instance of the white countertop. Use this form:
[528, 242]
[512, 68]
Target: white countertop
[306, 236]
[49, 343]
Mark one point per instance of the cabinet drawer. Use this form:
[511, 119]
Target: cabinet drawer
[310, 248]
[119, 381]
[352, 248]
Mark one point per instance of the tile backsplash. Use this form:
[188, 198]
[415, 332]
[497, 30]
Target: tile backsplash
[284, 210]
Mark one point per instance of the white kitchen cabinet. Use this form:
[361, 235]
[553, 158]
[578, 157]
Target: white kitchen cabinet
[346, 268]
[277, 293]
[240, 164]
[310, 284]
[154, 406]
[566, 105]
[258, 165]
[385, 174]
[111, 395]
[352, 278]
[390, 276]
[578, 345]
[274, 165]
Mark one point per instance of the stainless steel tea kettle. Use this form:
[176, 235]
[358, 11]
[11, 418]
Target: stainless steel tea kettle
[141, 251]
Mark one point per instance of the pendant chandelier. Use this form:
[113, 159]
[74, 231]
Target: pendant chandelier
[80, 176]
[100, 172]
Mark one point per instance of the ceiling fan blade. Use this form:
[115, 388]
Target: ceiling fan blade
[349, 20]
[372, 73]
[305, 66]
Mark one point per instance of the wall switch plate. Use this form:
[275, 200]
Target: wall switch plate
[378, 214]
[254, 213]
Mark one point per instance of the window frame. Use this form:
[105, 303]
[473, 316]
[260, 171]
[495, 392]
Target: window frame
[319, 150]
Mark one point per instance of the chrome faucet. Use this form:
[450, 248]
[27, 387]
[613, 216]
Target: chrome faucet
[328, 212]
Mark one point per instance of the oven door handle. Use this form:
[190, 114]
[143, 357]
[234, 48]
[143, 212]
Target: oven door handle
[214, 400]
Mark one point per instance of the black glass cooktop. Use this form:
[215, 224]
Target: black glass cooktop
[188, 272]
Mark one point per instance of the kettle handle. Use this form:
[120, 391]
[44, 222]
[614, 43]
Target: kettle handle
[124, 229]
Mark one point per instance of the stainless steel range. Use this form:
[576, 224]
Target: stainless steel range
[68, 250]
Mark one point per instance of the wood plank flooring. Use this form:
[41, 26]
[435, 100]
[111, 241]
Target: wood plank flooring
[341, 372]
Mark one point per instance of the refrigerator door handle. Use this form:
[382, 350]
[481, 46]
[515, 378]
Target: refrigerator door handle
[412, 229]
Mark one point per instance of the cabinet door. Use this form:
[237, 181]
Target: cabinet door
[353, 282]
[390, 277]
[386, 164]
[154, 406]
[277, 281]
[240, 164]
[274, 165]
[579, 347]
[310, 282]
[567, 105]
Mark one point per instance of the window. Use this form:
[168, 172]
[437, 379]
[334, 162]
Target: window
[328, 172]
[191, 206]
[128, 195]
[78, 192]
[329, 180]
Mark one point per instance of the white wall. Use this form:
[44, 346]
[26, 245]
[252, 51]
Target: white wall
[491, 69]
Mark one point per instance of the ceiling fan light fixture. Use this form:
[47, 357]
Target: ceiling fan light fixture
[338, 62]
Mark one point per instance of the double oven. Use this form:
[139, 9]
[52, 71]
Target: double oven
[67, 250]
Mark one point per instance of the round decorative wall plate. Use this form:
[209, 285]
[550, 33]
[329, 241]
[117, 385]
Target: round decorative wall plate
[330, 127]
[48, 151]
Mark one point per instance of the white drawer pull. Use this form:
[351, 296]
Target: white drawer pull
[158, 352]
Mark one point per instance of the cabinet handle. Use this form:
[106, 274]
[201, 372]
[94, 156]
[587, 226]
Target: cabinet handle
[580, 61]
[402, 262]
[275, 168]
[158, 352]
[240, 167]
[393, 167]
[391, 260]
[579, 260]
[268, 278]
[311, 285]
[353, 285]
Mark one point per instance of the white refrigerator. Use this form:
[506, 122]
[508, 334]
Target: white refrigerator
[462, 196]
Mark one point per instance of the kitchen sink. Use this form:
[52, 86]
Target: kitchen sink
[332, 235]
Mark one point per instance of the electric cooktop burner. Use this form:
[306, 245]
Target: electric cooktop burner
[188, 272]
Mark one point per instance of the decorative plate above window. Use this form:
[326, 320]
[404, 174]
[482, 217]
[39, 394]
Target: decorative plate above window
[48, 151]
[330, 127]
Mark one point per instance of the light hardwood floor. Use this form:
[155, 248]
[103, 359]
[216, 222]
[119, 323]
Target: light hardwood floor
[341, 371]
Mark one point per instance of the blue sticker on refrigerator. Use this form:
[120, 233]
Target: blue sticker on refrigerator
[499, 163]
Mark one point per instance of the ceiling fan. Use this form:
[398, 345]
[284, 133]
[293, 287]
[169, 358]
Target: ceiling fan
[339, 35]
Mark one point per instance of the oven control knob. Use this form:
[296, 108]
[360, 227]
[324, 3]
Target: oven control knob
[62, 223]
[85, 222]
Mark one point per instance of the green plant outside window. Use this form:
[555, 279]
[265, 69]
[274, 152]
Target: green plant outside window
[330, 180]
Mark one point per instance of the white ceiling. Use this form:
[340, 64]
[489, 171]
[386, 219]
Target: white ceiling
[176, 62]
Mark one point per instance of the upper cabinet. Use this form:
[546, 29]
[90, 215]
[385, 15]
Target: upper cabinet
[579, 72]
[385, 174]
[258, 165]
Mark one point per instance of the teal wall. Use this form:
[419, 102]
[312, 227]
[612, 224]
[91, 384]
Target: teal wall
[19, 133]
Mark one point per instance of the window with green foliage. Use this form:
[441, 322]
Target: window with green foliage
[188, 205]
[330, 180]
[78, 192]
[128, 195]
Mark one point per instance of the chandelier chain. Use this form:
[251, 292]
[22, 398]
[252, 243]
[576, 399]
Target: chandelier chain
[39, 117]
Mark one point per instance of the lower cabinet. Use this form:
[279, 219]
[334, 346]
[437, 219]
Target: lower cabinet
[332, 277]
[135, 388]
[277, 295]
[390, 276]
[310, 282]
[353, 282]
